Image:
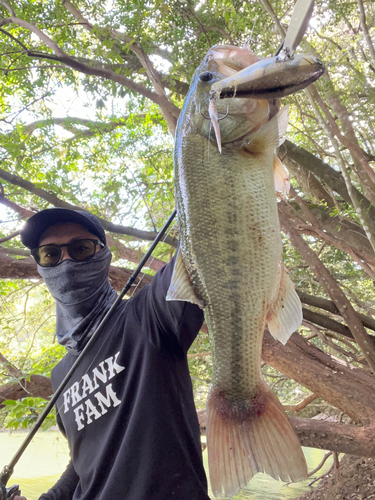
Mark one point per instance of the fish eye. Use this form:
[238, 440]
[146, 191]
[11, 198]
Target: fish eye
[207, 76]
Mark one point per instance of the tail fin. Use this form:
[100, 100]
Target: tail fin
[249, 437]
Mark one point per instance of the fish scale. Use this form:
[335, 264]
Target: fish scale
[241, 231]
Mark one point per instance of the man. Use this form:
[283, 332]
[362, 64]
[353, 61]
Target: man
[128, 411]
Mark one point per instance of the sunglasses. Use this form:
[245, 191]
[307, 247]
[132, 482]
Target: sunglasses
[79, 250]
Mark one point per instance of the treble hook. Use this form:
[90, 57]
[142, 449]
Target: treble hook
[207, 118]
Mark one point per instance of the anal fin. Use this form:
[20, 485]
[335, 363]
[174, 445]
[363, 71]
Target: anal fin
[180, 287]
[285, 314]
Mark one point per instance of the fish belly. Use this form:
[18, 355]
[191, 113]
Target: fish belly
[232, 249]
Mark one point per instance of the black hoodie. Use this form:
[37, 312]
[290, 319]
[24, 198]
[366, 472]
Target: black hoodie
[128, 412]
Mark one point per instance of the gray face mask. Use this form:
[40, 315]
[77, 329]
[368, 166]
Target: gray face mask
[83, 295]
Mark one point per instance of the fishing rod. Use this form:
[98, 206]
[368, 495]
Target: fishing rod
[10, 493]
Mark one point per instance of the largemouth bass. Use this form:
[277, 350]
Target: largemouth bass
[230, 263]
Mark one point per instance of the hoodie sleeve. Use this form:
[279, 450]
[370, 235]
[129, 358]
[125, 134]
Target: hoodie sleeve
[166, 323]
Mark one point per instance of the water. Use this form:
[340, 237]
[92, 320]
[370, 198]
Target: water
[42, 463]
[47, 456]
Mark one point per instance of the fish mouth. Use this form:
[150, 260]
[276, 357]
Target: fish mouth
[270, 78]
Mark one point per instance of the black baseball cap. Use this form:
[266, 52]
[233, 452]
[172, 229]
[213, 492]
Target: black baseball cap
[40, 222]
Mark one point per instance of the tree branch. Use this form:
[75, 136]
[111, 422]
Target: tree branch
[361, 257]
[46, 39]
[7, 238]
[170, 111]
[362, 17]
[14, 38]
[346, 231]
[24, 212]
[333, 289]
[340, 438]
[268, 7]
[203, 28]
[347, 388]
[328, 323]
[54, 200]
[300, 406]
[9, 367]
[134, 255]
[319, 466]
[363, 216]
[37, 386]
[309, 183]
[330, 306]
[327, 174]
[326, 339]
[353, 147]
[68, 123]
[15, 251]
[167, 106]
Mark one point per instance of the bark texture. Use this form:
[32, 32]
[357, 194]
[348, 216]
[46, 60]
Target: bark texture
[325, 173]
[353, 480]
[332, 436]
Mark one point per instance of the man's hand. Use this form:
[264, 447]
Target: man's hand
[19, 498]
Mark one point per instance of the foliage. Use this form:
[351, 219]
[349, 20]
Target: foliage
[27, 325]
[23, 414]
[200, 366]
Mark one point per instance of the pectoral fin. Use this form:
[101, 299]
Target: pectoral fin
[285, 314]
[281, 178]
[270, 136]
[180, 287]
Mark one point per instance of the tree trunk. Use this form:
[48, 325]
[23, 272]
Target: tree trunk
[347, 388]
[353, 480]
[332, 436]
